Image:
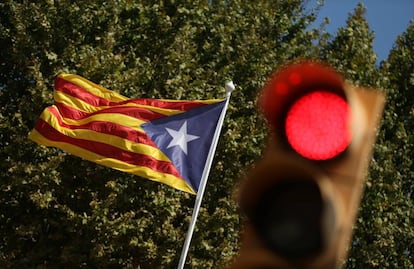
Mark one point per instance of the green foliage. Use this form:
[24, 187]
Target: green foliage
[384, 233]
[57, 210]
[351, 50]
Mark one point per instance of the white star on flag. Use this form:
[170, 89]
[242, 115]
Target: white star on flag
[181, 137]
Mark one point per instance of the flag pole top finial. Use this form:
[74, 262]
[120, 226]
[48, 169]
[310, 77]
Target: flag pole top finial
[229, 86]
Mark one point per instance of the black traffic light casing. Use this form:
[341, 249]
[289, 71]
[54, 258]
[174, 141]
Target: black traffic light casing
[301, 198]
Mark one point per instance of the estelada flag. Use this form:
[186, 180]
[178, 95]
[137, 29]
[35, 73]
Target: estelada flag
[162, 140]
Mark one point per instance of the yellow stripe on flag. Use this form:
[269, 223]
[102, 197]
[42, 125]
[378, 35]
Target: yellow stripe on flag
[141, 171]
[116, 118]
[83, 106]
[112, 140]
[94, 88]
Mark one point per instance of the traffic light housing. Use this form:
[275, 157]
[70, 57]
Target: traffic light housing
[301, 198]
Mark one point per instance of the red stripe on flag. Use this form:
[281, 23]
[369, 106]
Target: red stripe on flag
[174, 105]
[74, 90]
[106, 128]
[135, 112]
[107, 150]
[78, 92]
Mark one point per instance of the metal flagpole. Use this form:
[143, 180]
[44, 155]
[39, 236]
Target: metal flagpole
[229, 88]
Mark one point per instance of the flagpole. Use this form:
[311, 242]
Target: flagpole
[204, 177]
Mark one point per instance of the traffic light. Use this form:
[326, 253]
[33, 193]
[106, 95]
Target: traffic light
[301, 198]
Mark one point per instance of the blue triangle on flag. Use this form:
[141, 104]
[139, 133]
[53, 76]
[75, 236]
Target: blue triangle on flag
[186, 139]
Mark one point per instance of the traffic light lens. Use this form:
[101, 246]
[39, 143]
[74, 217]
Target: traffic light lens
[317, 125]
[288, 218]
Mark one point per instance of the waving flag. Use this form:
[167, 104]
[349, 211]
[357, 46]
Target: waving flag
[163, 140]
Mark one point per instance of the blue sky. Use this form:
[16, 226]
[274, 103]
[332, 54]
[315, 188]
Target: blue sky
[387, 18]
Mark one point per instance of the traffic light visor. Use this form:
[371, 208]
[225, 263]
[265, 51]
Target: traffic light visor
[306, 105]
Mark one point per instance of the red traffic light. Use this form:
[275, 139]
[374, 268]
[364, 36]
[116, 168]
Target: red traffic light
[300, 210]
[317, 125]
[306, 105]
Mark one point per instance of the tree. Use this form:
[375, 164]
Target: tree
[351, 50]
[57, 210]
[383, 235]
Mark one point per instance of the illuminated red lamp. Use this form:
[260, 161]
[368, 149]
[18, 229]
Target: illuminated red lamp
[305, 103]
[317, 125]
